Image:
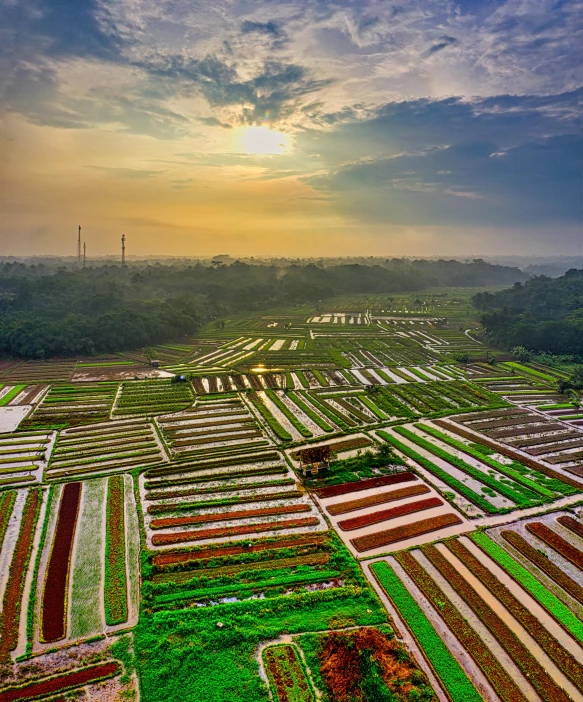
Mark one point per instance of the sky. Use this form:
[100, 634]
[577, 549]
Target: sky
[291, 127]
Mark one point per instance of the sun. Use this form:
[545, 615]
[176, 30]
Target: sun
[262, 140]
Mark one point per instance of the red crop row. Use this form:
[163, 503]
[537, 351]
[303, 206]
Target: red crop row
[496, 674]
[545, 564]
[373, 500]
[381, 481]
[408, 531]
[54, 610]
[116, 608]
[564, 661]
[572, 525]
[163, 560]
[557, 543]
[224, 516]
[509, 453]
[539, 678]
[179, 537]
[386, 514]
[10, 615]
[60, 683]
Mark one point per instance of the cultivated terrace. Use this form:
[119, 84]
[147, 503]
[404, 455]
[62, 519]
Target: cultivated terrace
[353, 500]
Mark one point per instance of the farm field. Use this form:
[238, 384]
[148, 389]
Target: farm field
[339, 504]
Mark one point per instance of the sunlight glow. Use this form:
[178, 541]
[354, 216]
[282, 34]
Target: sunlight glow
[262, 140]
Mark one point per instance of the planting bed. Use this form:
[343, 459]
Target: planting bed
[55, 594]
[104, 448]
[151, 397]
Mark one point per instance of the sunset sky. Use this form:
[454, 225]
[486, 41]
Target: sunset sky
[296, 127]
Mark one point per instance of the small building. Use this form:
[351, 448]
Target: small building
[155, 364]
[314, 460]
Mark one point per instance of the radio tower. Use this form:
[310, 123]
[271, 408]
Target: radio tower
[123, 250]
[79, 247]
[84, 254]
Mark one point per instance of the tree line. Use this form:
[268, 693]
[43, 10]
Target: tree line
[59, 311]
[544, 315]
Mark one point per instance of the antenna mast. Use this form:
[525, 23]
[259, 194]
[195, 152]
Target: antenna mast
[123, 250]
[79, 247]
[84, 254]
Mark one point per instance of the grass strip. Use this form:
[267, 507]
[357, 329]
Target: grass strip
[443, 475]
[564, 661]
[448, 670]
[11, 394]
[481, 476]
[285, 410]
[495, 673]
[505, 470]
[526, 580]
[272, 422]
[294, 397]
[544, 563]
[530, 667]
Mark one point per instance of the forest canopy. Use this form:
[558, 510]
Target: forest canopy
[541, 315]
[46, 312]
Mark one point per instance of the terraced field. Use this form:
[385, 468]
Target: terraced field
[338, 505]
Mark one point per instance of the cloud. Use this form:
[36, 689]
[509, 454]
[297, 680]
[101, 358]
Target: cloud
[463, 184]
[126, 173]
[443, 43]
[270, 28]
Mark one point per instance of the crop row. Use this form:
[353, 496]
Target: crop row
[148, 397]
[486, 460]
[55, 592]
[562, 658]
[272, 422]
[499, 678]
[223, 532]
[509, 453]
[116, 608]
[229, 516]
[522, 496]
[443, 475]
[407, 531]
[381, 481]
[14, 590]
[539, 678]
[286, 674]
[544, 564]
[387, 514]
[59, 684]
[378, 499]
[557, 543]
[446, 667]
[340, 446]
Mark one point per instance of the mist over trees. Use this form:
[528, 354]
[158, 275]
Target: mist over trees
[542, 315]
[62, 311]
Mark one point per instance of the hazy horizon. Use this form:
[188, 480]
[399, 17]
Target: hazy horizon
[298, 129]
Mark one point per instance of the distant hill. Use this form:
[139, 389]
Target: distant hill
[543, 314]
